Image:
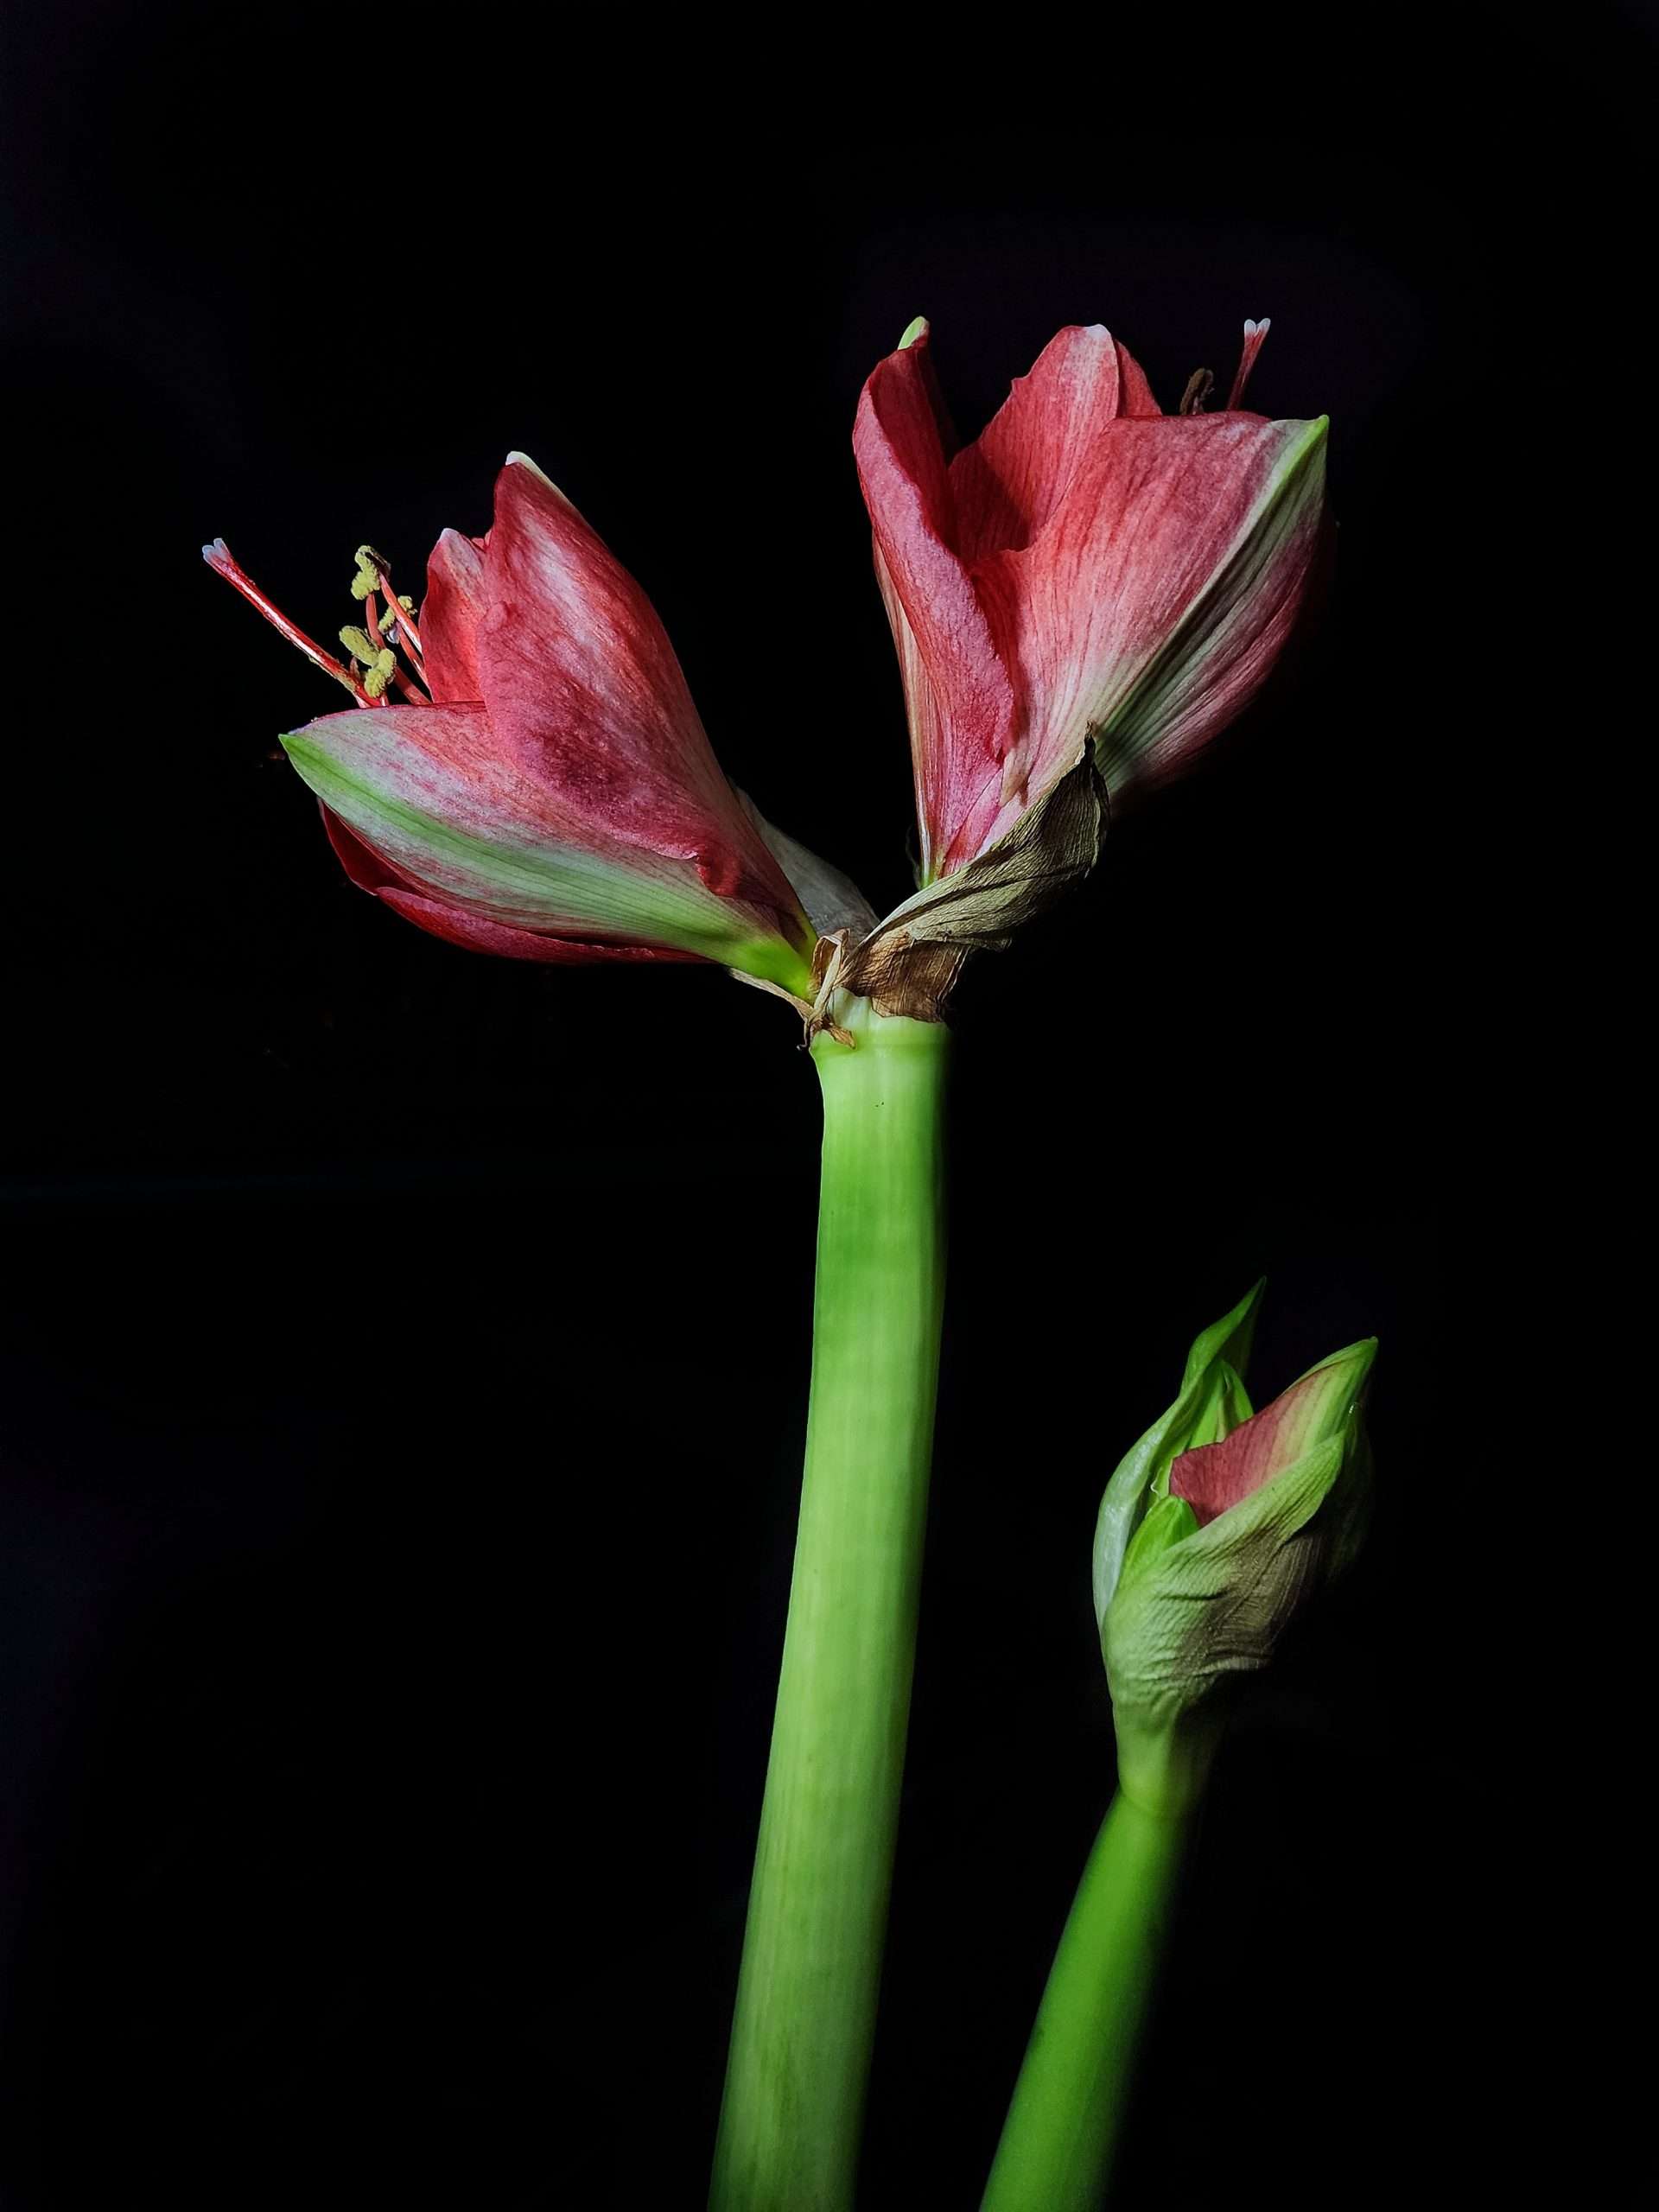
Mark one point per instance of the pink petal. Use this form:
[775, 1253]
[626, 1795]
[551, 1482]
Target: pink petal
[428, 795]
[1150, 608]
[458, 925]
[361, 862]
[1212, 1477]
[479, 934]
[1132, 381]
[451, 614]
[945, 634]
[1012, 478]
[978, 749]
[584, 690]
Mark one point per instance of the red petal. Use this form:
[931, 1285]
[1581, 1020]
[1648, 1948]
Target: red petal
[361, 862]
[456, 926]
[1137, 393]
[901, 465]
[977, 745]
[451, 614]
[1015, 475]
[583, 690]
[1097, 600]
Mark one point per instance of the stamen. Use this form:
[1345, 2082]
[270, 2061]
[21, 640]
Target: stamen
[367, 579]
[222, 563]
[395, 624]
[1253, 335]
[383, 639]
[402, 611]
[1200, 385]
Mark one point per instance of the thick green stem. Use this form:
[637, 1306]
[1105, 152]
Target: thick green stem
[1062, 2125]
[806, 1998]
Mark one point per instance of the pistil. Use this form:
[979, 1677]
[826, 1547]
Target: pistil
[222, 563]
[1253, 335]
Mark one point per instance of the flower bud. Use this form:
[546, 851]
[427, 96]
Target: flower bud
[1212, 1530]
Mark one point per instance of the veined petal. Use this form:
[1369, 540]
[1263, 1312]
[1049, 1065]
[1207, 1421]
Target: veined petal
[450, 613]
[1008, 483]
[1212, 1477]
[1007, 487]
[962, 723]
[583, 690]
[458, 925]
[1132, 382]
[362, 864]
[1152, 605]
[957, 800]
[476, 933]
[428, 793]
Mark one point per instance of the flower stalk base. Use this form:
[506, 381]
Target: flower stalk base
[806, 2001]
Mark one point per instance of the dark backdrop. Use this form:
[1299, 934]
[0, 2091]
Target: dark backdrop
[405, 1353]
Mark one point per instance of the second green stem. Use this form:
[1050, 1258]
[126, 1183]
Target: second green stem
[1069, 2103]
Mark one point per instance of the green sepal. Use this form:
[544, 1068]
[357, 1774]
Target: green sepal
[1167, 1521]
[1207, 1396]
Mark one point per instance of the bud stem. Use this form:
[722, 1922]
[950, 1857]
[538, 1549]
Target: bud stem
[806, 1998]
[1068, 2106]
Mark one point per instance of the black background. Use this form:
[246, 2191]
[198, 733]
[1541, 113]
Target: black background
[405, 1355]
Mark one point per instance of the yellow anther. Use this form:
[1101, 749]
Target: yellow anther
[405, 602]
[357, 643]
[369, 565]
[384, 669]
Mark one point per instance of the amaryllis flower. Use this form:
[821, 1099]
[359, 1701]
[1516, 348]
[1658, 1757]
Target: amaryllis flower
[1090, 589]
[1217, 1523]
[542, 785]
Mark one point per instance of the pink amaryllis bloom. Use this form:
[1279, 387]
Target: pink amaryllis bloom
[1089, 577]
[541, 786]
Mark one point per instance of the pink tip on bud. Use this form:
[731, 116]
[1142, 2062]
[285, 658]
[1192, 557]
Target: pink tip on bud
[1253, 335]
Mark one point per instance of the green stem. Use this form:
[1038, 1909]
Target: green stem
[806, 1998]
[1062, 2125]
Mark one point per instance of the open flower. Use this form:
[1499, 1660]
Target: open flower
[542, 787]
[1089, 590]
[1215, 1527]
